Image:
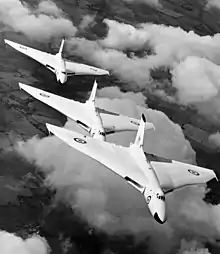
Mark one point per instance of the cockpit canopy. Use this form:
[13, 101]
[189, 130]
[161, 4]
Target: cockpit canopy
[161, 197]
[102, 133]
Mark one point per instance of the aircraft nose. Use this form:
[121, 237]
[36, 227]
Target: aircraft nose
[161, 219]
[104, 72]
[62, 79]
[107, 73]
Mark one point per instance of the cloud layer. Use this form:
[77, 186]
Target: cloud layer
[41, 23]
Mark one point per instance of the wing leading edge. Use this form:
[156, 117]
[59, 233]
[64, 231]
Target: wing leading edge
[44, 58]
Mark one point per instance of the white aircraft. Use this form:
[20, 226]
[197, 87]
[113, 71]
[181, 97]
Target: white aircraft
[151, 175]
[56, 63]
[98, 122]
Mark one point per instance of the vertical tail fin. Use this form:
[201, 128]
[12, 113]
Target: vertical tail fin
[61, 46]
[139, 140]
[93, 93]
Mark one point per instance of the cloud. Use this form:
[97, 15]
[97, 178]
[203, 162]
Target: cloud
[10, 244]
[150, 2]
[214, 139]
[193, 61]
[213, 3]
[49, 8]
[98, 194]
[114, 92]
[197, 80]
[46, 20]
[86, 21]
[192, 247]
[128, 69]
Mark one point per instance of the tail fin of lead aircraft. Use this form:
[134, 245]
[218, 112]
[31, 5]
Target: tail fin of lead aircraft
[139, 140]
[61, 46]
[93, 92]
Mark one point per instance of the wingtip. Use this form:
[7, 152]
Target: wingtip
[217, 179]
[22, 86]
[49, 126]
[6, 41]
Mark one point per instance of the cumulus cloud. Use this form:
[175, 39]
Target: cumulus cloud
[196, 79]
[114, 92]
[192, 247]
[40, 23]
[214, 139]
[49, 8]
[86, 21]
[10, 244]
[193, 61]
[213, 3]
[97, 193]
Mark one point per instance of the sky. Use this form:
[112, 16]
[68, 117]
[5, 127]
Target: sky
[87, 185]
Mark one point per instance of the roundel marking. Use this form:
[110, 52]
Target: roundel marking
[193, 172]
[44, 95]
[148, 199]
[79, 140]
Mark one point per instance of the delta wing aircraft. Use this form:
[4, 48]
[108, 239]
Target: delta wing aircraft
[98, 122]
[61, 67]
[151, 175]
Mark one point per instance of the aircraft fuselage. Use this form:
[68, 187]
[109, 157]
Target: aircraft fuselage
[61, 69]
[153, 194]
[96, 128]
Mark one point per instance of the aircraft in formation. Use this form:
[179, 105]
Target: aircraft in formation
[96, 121]
[152, 175]
[61, 67]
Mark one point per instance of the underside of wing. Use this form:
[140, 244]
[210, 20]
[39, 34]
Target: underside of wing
[42, 57]
[173, 174]
[113, 122]
[116, 158]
